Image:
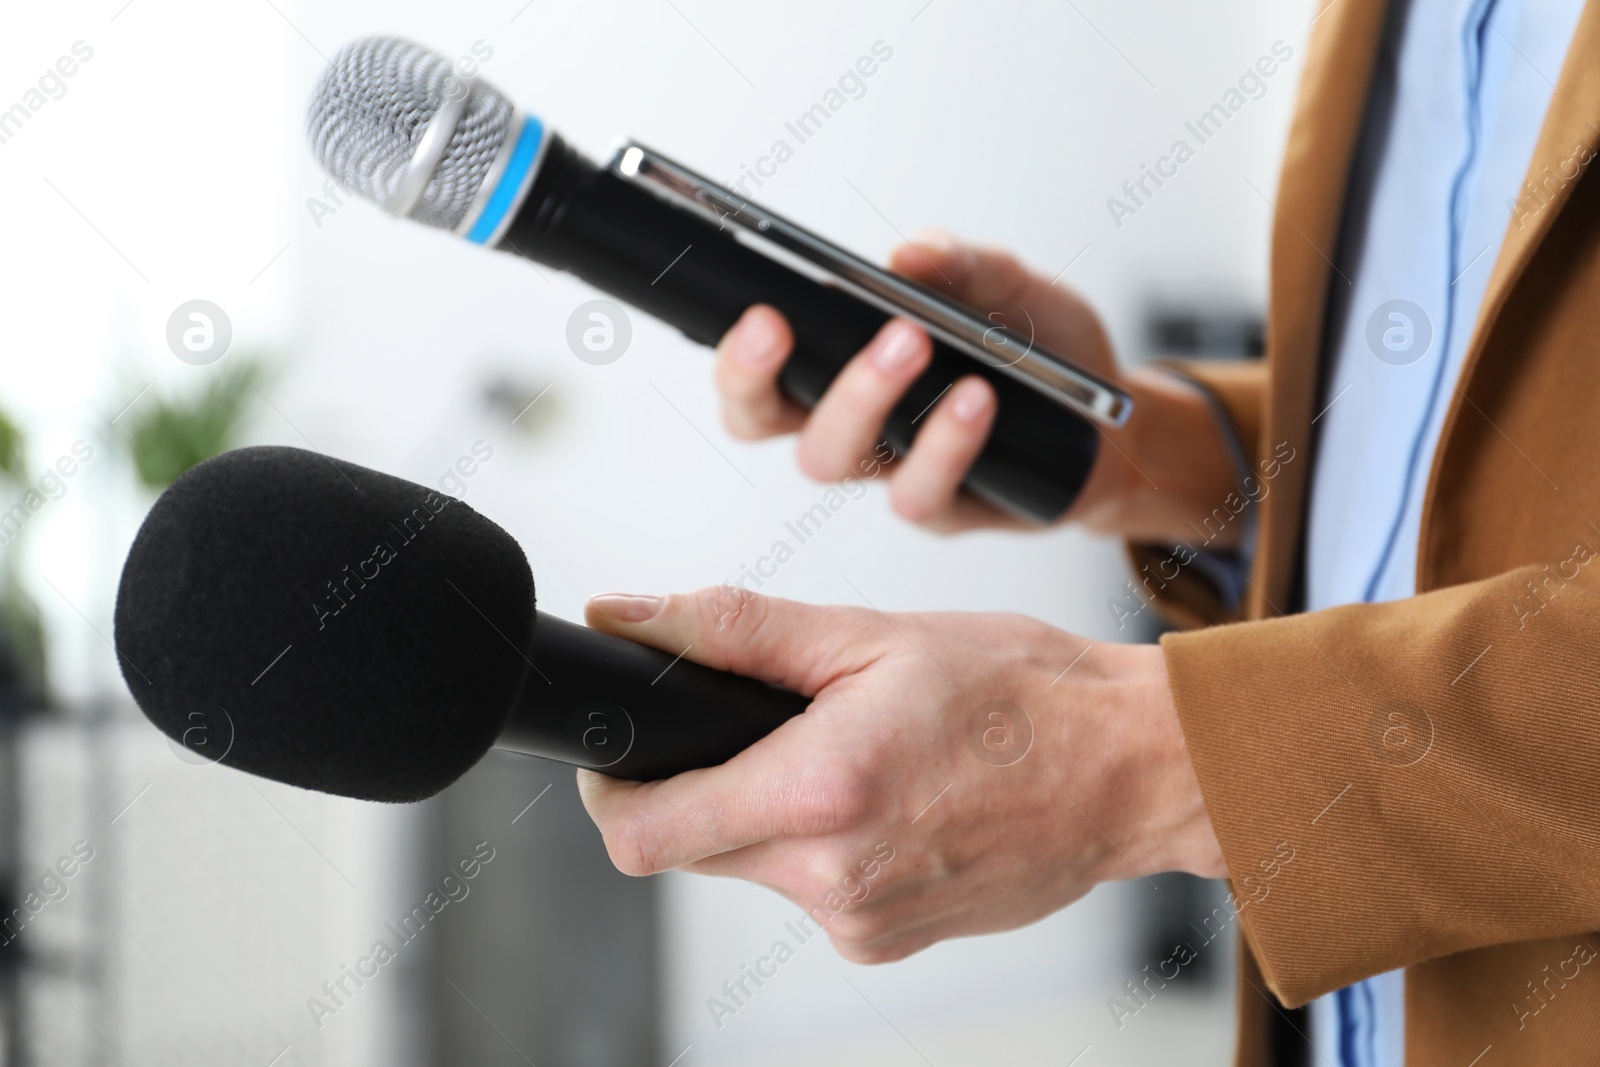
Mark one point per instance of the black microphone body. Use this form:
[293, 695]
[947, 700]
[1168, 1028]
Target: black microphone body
[329, 626]
[594, 700]
[689, 272]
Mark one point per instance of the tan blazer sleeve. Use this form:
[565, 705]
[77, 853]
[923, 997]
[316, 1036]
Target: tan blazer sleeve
[1238, 388]
[1396, 782]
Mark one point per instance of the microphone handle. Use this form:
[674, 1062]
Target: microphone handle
[687, 271]
[630, 711]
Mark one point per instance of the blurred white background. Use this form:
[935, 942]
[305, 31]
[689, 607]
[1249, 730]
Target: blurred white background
[174, 167]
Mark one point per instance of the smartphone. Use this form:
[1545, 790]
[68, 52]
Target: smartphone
[960, 327]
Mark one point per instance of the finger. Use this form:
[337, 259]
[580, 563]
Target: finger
[928, 480]
[757, 796]
[996, 282]
[981, 277]
[802, 647]
[747, 863]
[849, 418]
[932, 257]
[831, 899]
[763, 792]
[647, 830]
[774, 864]
[891, 949]
[649, 827]
[748, 360]
[602, 795]
[970, 513]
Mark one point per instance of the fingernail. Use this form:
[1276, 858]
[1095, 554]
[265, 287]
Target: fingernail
[896, 345]
[755, 339]
[935, 239]
[627, 607]
[970, 400]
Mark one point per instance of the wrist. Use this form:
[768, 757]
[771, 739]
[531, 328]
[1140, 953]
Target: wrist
[1170, 463]
[1165, 824]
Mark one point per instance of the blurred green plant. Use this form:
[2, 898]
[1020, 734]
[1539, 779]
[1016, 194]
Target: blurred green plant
[22, 652]
[170, 436]
[13, 456]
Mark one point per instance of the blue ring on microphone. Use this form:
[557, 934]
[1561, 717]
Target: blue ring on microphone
[523, 155]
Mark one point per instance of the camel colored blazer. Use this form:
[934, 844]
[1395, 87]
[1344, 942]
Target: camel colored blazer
[1431, 766]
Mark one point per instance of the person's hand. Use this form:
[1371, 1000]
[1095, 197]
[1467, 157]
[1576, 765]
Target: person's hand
[1172, 439]
[955, 773]
[848, 421]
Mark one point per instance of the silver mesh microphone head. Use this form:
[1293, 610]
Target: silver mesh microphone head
[371, 111]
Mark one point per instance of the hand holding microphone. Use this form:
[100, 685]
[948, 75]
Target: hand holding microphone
[391, 120]
[950, 778]
[366, 636]
[849, 419]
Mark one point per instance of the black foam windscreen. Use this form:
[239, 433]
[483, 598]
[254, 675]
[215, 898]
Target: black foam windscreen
[325, 625]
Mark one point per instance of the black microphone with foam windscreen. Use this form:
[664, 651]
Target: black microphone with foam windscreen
[394, 122]
[339, 629]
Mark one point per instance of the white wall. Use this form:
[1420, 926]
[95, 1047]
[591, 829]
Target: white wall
[1011, 122]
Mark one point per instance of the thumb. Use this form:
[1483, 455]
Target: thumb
[801, 647]
[936, 259]
[988, 279]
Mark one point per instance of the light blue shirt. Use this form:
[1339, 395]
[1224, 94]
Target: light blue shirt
[1460, 96]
